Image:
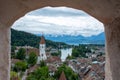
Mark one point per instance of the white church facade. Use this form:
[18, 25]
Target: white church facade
[42, 52]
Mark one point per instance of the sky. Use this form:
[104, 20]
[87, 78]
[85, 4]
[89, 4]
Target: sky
[59, 21]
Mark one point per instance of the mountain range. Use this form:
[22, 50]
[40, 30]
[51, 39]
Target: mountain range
[95, 39]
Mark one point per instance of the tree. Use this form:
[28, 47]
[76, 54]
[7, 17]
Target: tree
[75, 52]
[20, 38]
[13, 48]
[31, 77]
[42, 63]
[70, 57]
[56, 54]
[14, 76]
[32, 59]
[80, 51]
[42, 73]
[50, 78]
[20, 66]
[21, 54]
[70, 75]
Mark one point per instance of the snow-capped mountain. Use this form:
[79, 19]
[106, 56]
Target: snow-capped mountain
[96, 39]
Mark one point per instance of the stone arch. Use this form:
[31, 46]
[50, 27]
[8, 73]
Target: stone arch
[12, 10]
[107, 11]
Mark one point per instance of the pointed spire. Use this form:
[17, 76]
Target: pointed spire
[42, 41]
[62, 76]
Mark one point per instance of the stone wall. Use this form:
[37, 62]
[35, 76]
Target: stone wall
[107, 11]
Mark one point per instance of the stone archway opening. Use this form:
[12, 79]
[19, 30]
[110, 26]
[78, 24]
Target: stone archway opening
[108, 12]
[36, 18]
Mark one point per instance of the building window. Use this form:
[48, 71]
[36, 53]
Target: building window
[41, 46]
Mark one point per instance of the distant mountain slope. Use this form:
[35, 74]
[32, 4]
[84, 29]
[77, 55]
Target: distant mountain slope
[20, 38]
[96, 39]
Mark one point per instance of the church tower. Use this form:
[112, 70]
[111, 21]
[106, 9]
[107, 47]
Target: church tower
[42, 53]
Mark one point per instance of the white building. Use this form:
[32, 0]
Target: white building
[65, 53]
[42, 53]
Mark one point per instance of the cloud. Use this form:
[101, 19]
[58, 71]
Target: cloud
[59, 21]
[57, 11]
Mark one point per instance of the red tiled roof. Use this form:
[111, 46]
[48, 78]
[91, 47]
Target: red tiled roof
[31, 69]
[62, 76]
[54, 59]
[52, 68]
[42, 41]
[47, 53]
[35, 50]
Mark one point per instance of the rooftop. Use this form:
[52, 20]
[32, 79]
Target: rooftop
[42, 41]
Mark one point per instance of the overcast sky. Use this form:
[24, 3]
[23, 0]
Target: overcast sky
[59, 21]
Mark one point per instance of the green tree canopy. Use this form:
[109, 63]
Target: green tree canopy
[56, 54]
[70, 75]
[42, 63]
[42, 73]
[21, 54]
[75, 53]
[21, 38]
[32, 59]
[14, 76]
[70, 57]
[80, 51]
[20, 66]
[13, 48]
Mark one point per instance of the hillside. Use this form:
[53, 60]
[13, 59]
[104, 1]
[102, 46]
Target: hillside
[20, 38]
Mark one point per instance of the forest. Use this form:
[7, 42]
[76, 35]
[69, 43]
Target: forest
[21, 38]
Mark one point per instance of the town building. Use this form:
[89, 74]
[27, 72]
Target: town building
[42, 52]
